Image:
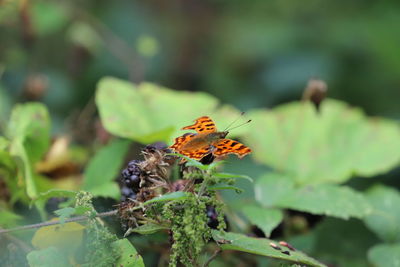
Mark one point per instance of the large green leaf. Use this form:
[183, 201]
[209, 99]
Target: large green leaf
[264, 218]
[129, 257]
[385, 255]
[384, 219]
[274, 190]
[261, 246]
[149, 113]
[104, 167]
[330, 146]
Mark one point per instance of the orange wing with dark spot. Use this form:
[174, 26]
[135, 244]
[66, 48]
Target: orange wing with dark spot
[197, 154]
[228, 146]
[202, 125]
[181, 140]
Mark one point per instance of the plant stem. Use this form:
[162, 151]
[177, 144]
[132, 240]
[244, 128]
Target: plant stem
[203, 185]
[213, 256]
[48, 223]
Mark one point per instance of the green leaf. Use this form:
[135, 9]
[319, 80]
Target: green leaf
[29, 132]
[330, 146]
[148, 113]
[333, 200]
[147, 229]
[129, 257]
[105, 166]
[384, 219]
[107, 190]
[260, 246]
[58, 193]
[264, 218]
[191, 162]
[272, 189]
[179, 195]
[225, 187]
[30, 124]
[215, 164]
[65, 213]
[231, 176]
[385, 255]
[48, 257]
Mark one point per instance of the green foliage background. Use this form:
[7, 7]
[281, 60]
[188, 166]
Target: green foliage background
[68, 67]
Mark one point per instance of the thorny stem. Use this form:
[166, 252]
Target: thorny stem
[74, 219]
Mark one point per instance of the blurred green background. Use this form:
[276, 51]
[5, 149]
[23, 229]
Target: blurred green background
[248, 53]
[251, 54]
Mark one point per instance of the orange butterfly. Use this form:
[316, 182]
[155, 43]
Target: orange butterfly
[207, 140]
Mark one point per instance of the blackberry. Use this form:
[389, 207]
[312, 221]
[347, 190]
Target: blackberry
[127, 193]
[212, 217]
[131, 175]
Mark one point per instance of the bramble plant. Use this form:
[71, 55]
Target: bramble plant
[177, 210]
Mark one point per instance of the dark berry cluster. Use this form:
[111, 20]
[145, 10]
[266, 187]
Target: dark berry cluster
[140, 176]
[212, 217]
[130, 180]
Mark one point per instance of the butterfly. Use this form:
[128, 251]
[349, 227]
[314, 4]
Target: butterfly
[207, 140]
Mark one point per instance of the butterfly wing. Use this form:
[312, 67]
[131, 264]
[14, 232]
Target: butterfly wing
[198, 153]
[202, 125]
[228, 146]
[194, 152]
[182, 140]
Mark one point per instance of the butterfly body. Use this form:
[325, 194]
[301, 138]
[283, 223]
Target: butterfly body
[200, 140]
[207, 140]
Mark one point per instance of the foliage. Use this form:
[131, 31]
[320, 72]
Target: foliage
[151, 107]
[337, 136]
[325, 177]
[384, 219]
[264, 218]
[274, 190]
[239, 242]
[102, 169]
[385, 255]
[305, 154]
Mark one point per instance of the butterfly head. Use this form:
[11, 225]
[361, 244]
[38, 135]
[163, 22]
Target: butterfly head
[223, 134]
[217, 135]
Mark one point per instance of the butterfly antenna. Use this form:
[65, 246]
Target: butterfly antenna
[239, 125]
[227, 127]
